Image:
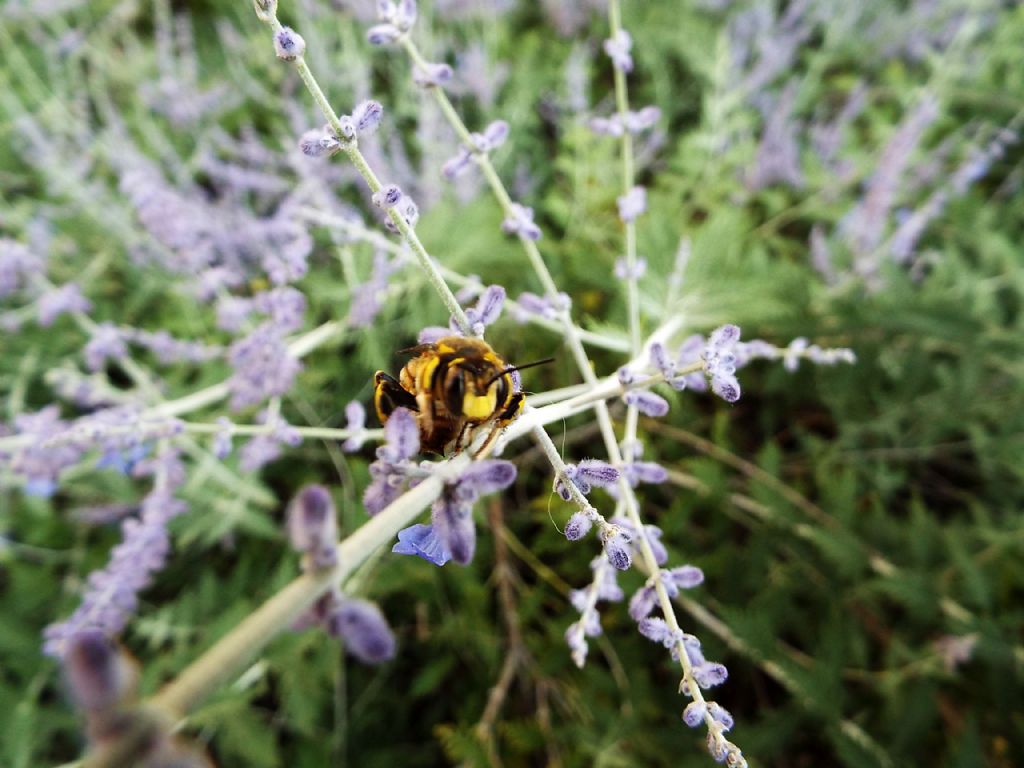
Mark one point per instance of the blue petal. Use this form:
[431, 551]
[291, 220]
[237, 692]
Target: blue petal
[123, 461]
[40, 486]
[421, 541]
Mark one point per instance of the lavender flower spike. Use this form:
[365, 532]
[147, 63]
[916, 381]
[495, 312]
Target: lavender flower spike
[59, 301]
[111, 594]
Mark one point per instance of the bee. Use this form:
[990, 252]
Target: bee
[454, 385]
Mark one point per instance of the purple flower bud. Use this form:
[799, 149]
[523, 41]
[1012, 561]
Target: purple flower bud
[656, 630]
[720, 715]
[616, 549]
[653, 535]
[643, 119]
[432, 333]
[383, 34]
[624, 272]
[312, 525]
[98, 675]
[387, 197]
[363, 628]
[724, 336]
[483, 477]
[597, 472]
[407, 210]
[288, 44]
[642, 603]
[403, 14]
[355, 414]
[687, 576]
[453, 525]
[726, 387]
[709, 674]
[693, 650]
[603, 126]
[430, 75]
[694, 713]
[420, 540]
[645, 472]
[317, 143]
[495, 134]
[454, 166]
[520, 222]
[647, 403]
[618, 49]
[402, 436]
[367, 116]
[488, 307]
[578, 526]
[632, 204]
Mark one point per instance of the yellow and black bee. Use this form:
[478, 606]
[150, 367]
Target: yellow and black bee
[454, 385]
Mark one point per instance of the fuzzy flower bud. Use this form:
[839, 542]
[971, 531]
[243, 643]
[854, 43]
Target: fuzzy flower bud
[694, 713]
[363, 628]
[312, 526]
[288, 44]
[618, 49]
[579, 525]
[648, 403]
[623, 271]
[632, 204]
[387, 197]
[520, 222]
[367, 116]
[98, 675]
[317, 143]
[616, 549]
[407, 210]
[383, 34]
[431, 75]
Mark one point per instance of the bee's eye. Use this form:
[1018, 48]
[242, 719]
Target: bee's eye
[501, 393]
[455, 391]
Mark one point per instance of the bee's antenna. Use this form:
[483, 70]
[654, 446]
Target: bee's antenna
[511, 368]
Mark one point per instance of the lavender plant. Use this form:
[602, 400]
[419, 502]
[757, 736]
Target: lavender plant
[197, 303]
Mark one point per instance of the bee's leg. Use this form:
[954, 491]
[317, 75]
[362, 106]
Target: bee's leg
[483, 450]
[515, 405]
[388, 395]
[462, 434]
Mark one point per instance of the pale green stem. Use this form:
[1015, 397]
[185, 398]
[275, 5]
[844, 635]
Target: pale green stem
[351, 150]
[233, 651]
[357, 230]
